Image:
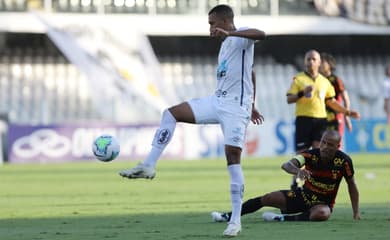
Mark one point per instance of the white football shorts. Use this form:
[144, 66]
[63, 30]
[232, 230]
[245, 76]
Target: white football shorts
[233, 118]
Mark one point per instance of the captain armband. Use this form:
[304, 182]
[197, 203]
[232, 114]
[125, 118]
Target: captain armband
[300, 159]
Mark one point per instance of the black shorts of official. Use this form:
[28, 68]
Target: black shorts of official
[307, 130]
[299, 200]
[333, 125]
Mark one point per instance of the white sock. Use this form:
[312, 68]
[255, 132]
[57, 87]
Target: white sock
[161, 138]
[236, 191]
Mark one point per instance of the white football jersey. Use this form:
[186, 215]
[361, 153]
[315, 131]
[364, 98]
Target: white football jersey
[234, 78]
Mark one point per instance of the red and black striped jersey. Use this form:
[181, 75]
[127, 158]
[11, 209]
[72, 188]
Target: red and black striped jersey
[326, 176]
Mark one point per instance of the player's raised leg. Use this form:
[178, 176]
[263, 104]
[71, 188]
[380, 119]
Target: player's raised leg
[162, 137]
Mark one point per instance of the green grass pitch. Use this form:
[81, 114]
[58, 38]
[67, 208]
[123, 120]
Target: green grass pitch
[81, 201]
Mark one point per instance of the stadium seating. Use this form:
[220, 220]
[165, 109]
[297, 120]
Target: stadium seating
[194, 77]
[26, 75]
[246, 7]
[39, 86]
[40, 89]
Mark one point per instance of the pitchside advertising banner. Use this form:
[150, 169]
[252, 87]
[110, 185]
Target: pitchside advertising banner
[58, 143]
[369, 136]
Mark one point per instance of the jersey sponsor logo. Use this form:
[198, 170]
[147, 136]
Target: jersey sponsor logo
[321, 188]
[220, 93]
[221, 71]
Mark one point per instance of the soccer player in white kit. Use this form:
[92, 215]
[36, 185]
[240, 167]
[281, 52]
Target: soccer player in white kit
[231, 106]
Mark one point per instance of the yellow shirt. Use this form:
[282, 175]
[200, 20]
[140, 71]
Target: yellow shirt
[313, 106]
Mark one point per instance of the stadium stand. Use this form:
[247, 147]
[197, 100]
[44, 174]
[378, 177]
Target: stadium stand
[28, 74]
[247, 7]
[42, 88]
[33, 68]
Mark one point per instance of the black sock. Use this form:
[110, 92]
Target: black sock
[305, 216]
[250, 206]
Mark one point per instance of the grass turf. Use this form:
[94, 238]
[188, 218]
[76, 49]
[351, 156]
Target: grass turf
[90, 201]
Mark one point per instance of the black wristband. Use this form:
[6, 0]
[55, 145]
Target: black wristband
[300, 94]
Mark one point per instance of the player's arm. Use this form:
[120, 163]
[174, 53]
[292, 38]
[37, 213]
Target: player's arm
[256, 117]
[294, 167]
[354, 197]
[332, 103]
[346, 100]
[251, 33]
[347, 105]
[292, 98]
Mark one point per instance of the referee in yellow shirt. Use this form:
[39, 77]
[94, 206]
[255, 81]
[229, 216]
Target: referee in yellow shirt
[312, 92]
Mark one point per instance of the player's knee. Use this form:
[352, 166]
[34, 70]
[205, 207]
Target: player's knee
[167, 117]
[321, 214]
[233, 154]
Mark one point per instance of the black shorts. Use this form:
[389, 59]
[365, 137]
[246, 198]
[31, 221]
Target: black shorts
[333, 125]
[307, 130]
[300, 201]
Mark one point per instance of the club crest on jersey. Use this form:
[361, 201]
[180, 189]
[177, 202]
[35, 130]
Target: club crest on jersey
[163, 136]
[338, 161]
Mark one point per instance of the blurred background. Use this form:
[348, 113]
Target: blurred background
[71, 70]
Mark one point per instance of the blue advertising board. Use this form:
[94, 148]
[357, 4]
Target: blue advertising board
[371, 135]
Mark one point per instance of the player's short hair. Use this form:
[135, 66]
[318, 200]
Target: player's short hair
[327, 57]
[333, 134]
[223, 10]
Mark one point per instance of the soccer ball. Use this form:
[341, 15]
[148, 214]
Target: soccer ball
[105, 148]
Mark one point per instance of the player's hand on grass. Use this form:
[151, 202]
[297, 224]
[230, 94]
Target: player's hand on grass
[256, 117]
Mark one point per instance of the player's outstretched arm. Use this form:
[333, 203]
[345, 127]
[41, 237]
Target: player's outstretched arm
[332, 103]
[354, 196]
[251, 33]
